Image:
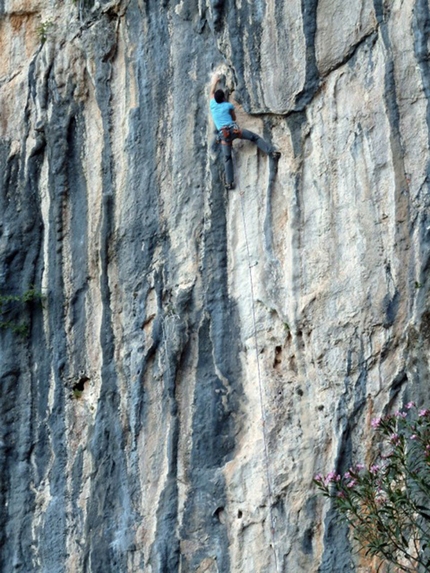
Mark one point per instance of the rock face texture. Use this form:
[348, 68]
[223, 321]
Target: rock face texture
[199, 356]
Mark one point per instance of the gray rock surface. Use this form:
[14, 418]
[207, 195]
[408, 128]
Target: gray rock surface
[199, 356]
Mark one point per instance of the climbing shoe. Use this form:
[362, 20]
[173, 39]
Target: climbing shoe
[229, 186]
[275, 155]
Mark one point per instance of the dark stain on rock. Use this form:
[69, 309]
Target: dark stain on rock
[425, 325]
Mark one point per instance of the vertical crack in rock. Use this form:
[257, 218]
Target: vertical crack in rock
[403, 228]
[165, 554]
[216, 401]
[110, 516]
[67, 198]
[78, 240]
[338, 550]
[217, 11]
[337, 554]
[312, 78]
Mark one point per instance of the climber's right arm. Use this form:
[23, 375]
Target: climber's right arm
[215, 80]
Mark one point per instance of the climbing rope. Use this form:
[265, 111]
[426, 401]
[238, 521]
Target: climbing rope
[260, 389]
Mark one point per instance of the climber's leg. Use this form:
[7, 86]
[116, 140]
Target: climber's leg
[228, 164]
[259, 141]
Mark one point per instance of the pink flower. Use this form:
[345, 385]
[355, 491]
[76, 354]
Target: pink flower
[347, 475]
[341, 494]
[359, 467]
[399, 414]
[376, 422]
[394, 438]
[414, 437]
[374, 469]
[332, 476]
[410, 405]
[318, 477]
[423, 412]
[352, 483]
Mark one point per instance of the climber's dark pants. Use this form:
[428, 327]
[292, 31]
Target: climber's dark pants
[227, 145]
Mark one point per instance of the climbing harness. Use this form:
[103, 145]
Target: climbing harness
[260, 388]
[228, 133]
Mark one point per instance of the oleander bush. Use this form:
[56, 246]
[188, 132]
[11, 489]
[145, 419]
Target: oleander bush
[387, 505]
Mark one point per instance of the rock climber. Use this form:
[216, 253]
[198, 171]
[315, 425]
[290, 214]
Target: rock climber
[224, 118]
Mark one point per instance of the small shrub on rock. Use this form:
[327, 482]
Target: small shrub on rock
[387, 505]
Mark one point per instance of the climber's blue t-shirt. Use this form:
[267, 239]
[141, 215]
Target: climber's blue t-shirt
[221, 113]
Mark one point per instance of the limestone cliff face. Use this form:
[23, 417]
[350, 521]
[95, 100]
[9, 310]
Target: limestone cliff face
[199, 355]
